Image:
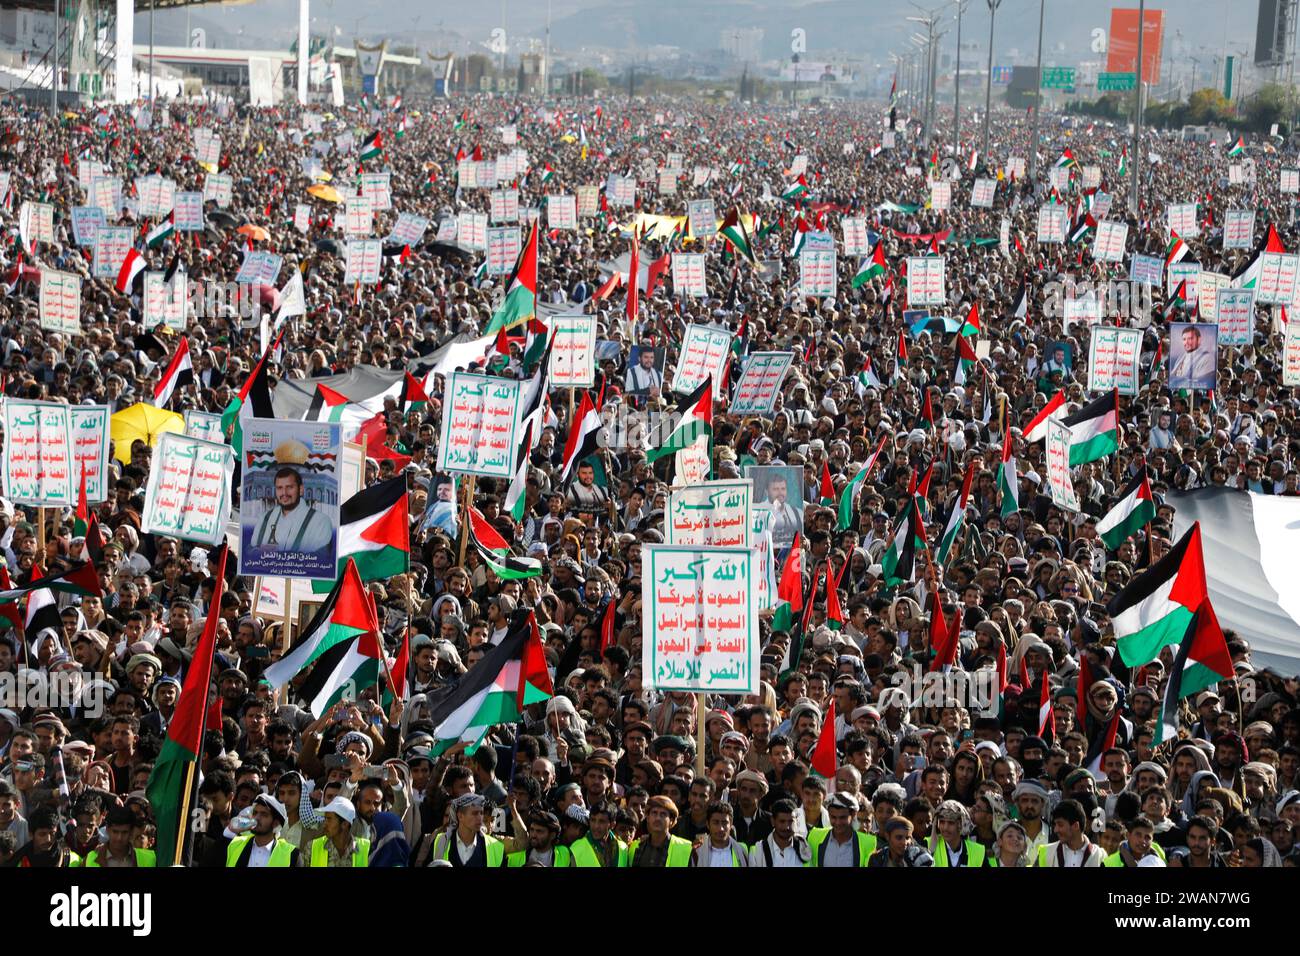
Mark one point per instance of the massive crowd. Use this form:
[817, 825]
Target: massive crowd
[606, 773]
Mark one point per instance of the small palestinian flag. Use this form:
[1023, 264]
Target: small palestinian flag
[1176, 250]
[1135, 508]
[547, 173]
[520, 302]
[1122, 169]
[1066, 160]
[1094, 429]
[694, 418]
[372, 147]
[374, 531]
[1202, 660]
[1156, 608]
[734, 231]
[899, 560]
[495, 551]
[873, 267]
[956, 517]
[1008, 480]
[844, 519]
[1238, 147]
[795, 190]
[161, 232]
[413, 396]
[972, 324]
[1020, 304]
[789, 591]
[900, 359]
[827, 490]
[1097, 747]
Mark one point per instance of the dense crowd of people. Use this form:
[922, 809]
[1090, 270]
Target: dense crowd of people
[606, 772]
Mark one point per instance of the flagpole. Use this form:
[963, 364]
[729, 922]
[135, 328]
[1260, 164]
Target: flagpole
[700, 711]
[464, 531]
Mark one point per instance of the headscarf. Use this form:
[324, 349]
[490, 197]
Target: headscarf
[1202, 778]
[570, 721]
[1267, 851]
[388, 847]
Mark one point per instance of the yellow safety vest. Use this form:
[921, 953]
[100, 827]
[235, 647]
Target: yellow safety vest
[281, 852]
[818, 835]
[679, 852]
[496, 850]
[1116, 860]
[974, 854]
[142, 858]
[562, 858]
[320, 853]
[585, 853]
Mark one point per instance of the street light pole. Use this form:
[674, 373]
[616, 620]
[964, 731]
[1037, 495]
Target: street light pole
[956, 86]
[1038, 95]
[988, 82]
[1135, 201]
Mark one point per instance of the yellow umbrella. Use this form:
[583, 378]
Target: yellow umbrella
[143, 422]
[327, 193]
[208, 167]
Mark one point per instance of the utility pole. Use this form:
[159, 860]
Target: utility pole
[988, 82]
[1038, 95]
[956, 86]
[152, 5]
[1135, 200]
[54, 64]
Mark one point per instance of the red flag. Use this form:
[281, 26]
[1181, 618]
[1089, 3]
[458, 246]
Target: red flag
[607, 627]
[828, 487]
[825, 760]
[634, 267]
[833, 610]
[1046, 716]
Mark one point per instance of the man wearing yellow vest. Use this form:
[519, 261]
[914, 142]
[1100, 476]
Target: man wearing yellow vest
[1140, 848]
[598, 846]
[659, 847]
[1072, 847]
[465, 844]
[839, 844]
[543, 831]
[118, 851]
[338, 847]
[264, 846]
[948, 843]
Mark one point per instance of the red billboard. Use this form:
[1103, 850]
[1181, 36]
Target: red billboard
[1122, 55]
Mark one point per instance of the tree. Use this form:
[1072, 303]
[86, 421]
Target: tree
[1206, 107]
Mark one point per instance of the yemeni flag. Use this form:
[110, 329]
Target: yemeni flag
[340, 646]
[175, 768]
[520, 302]
[584, 437]
[694, 418]
[1135, 508]
[825, 760]
[161, 232]
[789, 589]
[1054, 409]
[734, 231]
[844, 518]
[495, 551]
[1238, 147]
[1094, 429]
[1176, 250]
[179, 374]
[374, 531]
[1098, 746]
[957, 516]
[372, 147]
[873, 267]
[133, 267]
[827, 491]
[1155, 609]
[795, 190]
[510, 677]
[899, 560]
[1201, 662]
[1008, 481]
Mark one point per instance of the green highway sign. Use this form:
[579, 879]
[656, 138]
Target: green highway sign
[1058, 77]
[1116, 82]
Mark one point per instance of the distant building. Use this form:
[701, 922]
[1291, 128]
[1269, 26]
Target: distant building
[742, 43]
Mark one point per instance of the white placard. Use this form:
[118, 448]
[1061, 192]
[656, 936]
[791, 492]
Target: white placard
[817, 273]
[573, 351]
[1058, 466]
[1238, 228]
[218, 188]
[86, 223]
[409, 229]
[562, 212]
[855, 236]
[760, 383]
[1108, 246]
[926, 280]
[479, 425]
[703, 218]
[503, 244]
[358, 217]
[505, 205]
[588, 201]
[1181, 218]
[188, 493]
[471, 230]
[60, 302]
[704, 352]
[982, 193]
[188, 209]
[712, 513]
[1277, 279]
[364, 258]
[940, 195]
[1235, 314]
[302, 217]
[688, 274]
[1208, 285]
[1291, 354]
[1114, 360]
[112, 243]
[1053, 220]
[1289, 181]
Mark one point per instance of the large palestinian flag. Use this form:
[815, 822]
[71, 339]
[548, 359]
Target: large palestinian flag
[1094, 429]
[1156, 607]
[374, 531]
[340, 646]
[496, 690]
[694, 418]
[1251, 542]
[520, 302]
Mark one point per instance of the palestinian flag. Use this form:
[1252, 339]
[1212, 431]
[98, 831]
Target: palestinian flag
[176, 767]
[132, 267]
[520, 302]
[374, 531]
[944, 635]
[834, 613]
[1122, 169]
[1135, 508]
[1155, 609]
[899, 560]
[825, 759]
[341, 646]
[734, 231]
[694, 418]
[789, 591]
[972, 324]
[957, 515]
[516, 501]
[873, 267]
[329, 405]
[900, 357]
[966, 359]
[253, 401]
[866, 378]
[795, 190]
[1177, 300]
[1238, 147]
[372, 147]
[1020, 306]
[1098, 746]
[1202, 660]
[584, 437]
[827, 490]
[161, 232]
[1176, 249]
[511, 676]
[399, 671]
[849, 495]
[1066, 160]
[413, 396]
[1008, 480]
[179, 373]
[495, 550]
[81, 580]
[1094, 429]
[547, 173]
[1054, 409]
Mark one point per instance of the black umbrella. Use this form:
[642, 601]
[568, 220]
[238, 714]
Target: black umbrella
[224, 220]
[330, 246]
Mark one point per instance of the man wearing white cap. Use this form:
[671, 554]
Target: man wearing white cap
[338, 848]
[263, 846]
